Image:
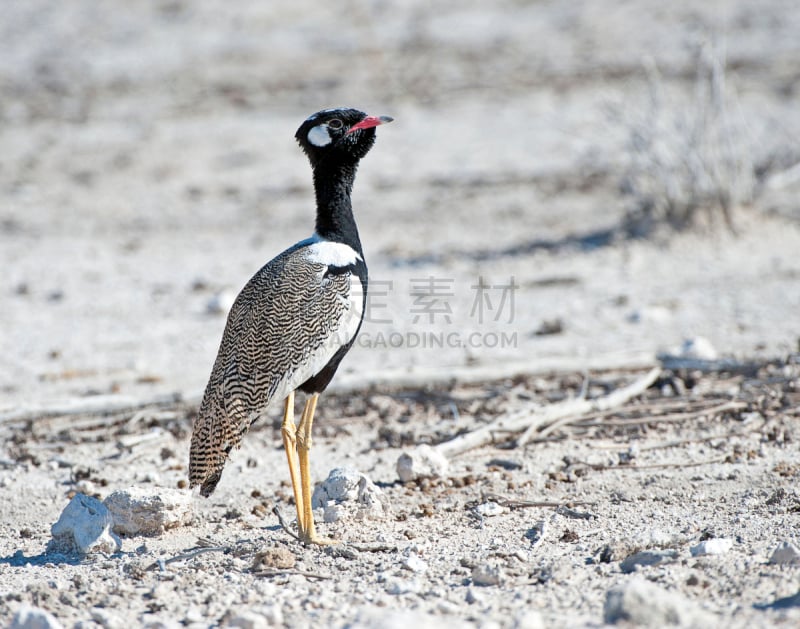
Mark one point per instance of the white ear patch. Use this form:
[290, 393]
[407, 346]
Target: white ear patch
[319, 136]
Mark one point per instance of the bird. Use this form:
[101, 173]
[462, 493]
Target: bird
[294, 321]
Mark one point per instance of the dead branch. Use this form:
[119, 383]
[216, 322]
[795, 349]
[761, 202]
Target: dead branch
[514, 503]
[663, 419]
[275, 572]
[658, 408]
[532, 420]
[161, 563]
[729, 365]
[677, 443]
[283, 523]
[656, 466]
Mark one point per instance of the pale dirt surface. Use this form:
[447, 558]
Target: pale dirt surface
[148, 167]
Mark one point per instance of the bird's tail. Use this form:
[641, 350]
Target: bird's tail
[211, 443]
[205, 466]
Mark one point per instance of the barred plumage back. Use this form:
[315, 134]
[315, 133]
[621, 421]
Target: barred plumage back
[284, 327]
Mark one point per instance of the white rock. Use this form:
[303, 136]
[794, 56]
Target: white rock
[537, 533]
[447, 608]
[340, 486]
[248, 619]
[647, 558]
[490, 509]
[34, 618]
[149, 511]
[273, 614]
[349, 493]
[84, 527]
[386, 618]
[642, 603]
[107, 619]
[786, 554]
[650, 314]
[332, 512]
[397, 586]
[486, 574]
[715, 546]
[423, 462]
[529, 619]
[85, 486]
[220, 303]
[699, 347]
[473, 596]
[414, 563]
[655, 537]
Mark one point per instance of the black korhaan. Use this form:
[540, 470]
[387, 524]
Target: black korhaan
[294, 320]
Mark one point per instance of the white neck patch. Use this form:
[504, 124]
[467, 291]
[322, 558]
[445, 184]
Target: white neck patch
[319, 136]
[330, 253]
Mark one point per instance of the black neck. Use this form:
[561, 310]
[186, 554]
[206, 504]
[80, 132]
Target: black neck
[332, 185]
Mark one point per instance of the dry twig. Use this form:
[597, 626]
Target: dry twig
[514, 503]
[283, 523]
[274, 572]
[529, 422]
[187, 555]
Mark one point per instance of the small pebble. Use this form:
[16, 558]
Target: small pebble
[220, 303]
[490, 509]
[715, 546]
[397, 586]
[647, 558]
[278, 557]
[699, 348]
[536, 533]
[106, 619]
[529, 619]
[485, 574]
[34, 618]
[86, 486]
[423, 462]
[786, 554]
[473, 596]
[414, 564]
[641, 603]
[249, 619]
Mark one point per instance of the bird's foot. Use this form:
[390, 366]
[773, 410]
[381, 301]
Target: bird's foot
[313, 538]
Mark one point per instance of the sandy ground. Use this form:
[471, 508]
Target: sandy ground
[148, 169]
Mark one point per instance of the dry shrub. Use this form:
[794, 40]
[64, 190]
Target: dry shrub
[689, 156]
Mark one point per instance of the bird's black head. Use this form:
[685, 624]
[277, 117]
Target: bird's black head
[338, 134]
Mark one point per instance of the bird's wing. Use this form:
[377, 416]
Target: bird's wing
[284, 327]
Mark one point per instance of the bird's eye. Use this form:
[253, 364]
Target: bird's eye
[335, 124]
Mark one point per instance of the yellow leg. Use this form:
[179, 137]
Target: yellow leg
[307, 532]
[289, 432]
